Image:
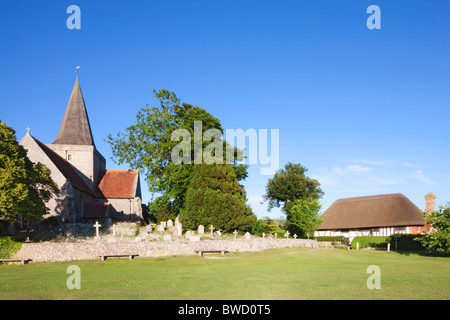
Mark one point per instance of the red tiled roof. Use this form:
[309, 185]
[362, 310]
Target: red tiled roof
[64, 167]
[118, 184]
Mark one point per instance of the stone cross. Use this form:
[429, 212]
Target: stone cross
[96, 225]
[235, 233]
[276, 234]
[211, 228]
[295, 236]
[264, 235]
[286, 235]
[28, 130]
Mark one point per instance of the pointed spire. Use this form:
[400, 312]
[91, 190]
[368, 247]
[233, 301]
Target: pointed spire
[75, 128]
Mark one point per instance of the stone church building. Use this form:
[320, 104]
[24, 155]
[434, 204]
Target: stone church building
[88, 191]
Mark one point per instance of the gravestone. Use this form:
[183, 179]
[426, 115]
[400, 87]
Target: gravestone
[201, 229]
[247, 235]
[235, 233]
[169, 223]
[264, 235]
[270, 237]
[174, 232]
[179, 227]
[160, 228]
[295, 236]
[218, 233]
[211, 228]
[164, 223]
[286, 235]
[97, 234]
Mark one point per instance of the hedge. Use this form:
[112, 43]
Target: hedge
[404, 242]
[8, 247]
[370, 241]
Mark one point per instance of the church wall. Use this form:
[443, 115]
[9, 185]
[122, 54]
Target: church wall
[99, 166]
[35, 154]
[126, 209]
[81, 157]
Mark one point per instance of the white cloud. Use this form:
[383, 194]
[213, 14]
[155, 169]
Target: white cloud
[418, 174]
[358, 169]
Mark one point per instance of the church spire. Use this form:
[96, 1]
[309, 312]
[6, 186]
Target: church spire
[75, 128]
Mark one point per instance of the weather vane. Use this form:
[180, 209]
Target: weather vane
[77, 68]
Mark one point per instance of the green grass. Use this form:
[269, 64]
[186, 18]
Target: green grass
[290, 273]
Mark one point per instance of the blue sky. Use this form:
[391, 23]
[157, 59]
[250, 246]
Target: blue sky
[366, 111]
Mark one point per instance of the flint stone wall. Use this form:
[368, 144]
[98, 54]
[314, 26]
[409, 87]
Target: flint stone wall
[66, 251]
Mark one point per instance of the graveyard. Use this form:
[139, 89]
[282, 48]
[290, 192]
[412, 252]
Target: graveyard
[283, 273]
[167, 266]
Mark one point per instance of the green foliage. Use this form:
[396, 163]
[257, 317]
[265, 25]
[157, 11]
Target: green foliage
[24, 185]
[8, 247]
[215, 197]
[267, 226]
[303, 217]
[405, 241]
[439, 238]
[162, 209]
[290, 184]
[147, 145]
[370, 241]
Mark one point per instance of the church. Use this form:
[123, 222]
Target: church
[88, 191]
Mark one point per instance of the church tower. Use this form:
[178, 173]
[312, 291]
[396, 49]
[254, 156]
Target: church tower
[75, 142]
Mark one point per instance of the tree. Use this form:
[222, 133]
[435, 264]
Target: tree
[291, 184]
[215, 197]
[266, 225]
[24, 185]
[303, 217]
[147, 146]
[439, 238]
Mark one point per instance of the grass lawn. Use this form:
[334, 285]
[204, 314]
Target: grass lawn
[289, 273]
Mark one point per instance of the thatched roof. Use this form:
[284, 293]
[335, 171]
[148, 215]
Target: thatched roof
[389, 210]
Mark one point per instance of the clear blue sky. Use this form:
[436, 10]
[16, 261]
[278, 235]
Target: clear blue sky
[366, 111]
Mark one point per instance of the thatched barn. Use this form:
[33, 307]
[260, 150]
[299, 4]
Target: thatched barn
[380, 215]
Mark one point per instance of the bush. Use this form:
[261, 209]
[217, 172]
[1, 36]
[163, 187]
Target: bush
[265, 225]
[370, 241]
[406, 241]
[8, 247]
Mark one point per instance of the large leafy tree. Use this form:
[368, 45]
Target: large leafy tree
[303, 217]
[147, 145]
[290, 184]
[439, 237]
[24, 186]
[215, 197]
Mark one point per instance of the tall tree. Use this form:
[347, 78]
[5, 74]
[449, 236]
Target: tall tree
[439, 237]
[215, 197]
[24, 185]
[147, 145]
[290, 184]
[303, 217]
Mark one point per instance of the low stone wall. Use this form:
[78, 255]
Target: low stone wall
[66, 251]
